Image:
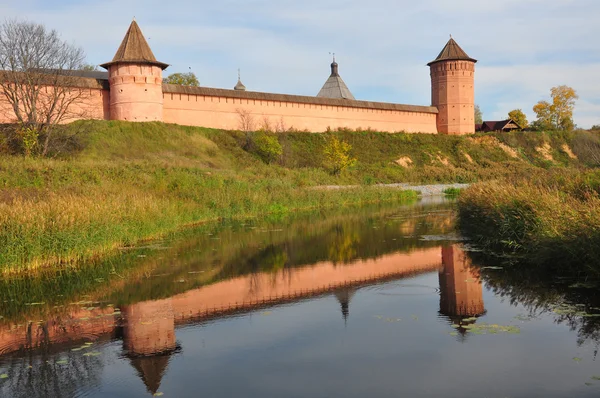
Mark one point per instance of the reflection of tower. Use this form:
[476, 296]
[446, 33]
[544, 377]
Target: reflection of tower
[461, 293]
[344, 295]
[149, 339]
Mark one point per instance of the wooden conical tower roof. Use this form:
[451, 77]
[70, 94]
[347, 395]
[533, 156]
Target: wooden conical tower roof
[335, 87]
[452, 52]
[135, 49]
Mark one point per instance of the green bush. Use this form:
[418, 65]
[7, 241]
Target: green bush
[452, 192]
[266, 146]
[29, 139]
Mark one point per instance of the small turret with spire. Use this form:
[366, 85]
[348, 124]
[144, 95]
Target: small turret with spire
[334, 67]
[239, 86]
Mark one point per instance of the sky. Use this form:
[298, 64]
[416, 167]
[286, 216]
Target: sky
[524, 47]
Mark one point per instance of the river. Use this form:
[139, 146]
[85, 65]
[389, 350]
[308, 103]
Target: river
[378, 301]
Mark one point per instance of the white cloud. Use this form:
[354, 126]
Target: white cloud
[524, 47]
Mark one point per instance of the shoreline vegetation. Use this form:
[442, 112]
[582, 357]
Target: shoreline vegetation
[549, 221]
[193, 257]
[112, 184]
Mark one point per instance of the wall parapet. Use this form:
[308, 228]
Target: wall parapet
[253, 95]
[62, 78]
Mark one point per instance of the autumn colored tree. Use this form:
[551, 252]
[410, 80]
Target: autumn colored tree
[519, 117]
[183, 79]
[478, 115]
[558, 114]
[337, 155]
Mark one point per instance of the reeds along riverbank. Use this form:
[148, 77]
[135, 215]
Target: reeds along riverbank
[62, 228]
[551, 220]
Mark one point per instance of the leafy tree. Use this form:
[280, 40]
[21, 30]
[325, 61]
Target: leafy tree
[595, 127]
[558, 114]
[89, 67]
[337, 155]
[183, 79]
[519, 117]
[478, 115]
[36, 79]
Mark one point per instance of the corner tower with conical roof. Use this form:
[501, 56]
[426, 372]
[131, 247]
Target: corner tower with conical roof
[135, 79]
[453, 90]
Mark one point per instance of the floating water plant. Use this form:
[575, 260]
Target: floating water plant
[485, 328]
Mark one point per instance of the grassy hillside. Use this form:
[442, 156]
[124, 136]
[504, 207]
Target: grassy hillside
[115, 183]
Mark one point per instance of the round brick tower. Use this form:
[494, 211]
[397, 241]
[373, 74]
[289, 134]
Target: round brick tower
[453, 90]
[135, 79]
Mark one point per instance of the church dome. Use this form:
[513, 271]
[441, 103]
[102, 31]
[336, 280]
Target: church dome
[240, 86]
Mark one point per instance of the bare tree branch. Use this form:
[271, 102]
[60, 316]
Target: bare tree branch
[37, 78]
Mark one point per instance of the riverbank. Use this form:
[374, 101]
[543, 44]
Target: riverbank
[549, 220]
[113, 184]
[422, 190]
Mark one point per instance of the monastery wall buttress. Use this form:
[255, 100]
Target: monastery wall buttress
[93, 103]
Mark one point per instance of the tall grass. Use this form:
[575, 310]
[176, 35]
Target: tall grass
[550, 219]
[54, 227]
[118, 182]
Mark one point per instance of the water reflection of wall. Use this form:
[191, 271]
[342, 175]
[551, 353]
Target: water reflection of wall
[264, 288]
[461, 292]
[149, 326]
[75, 324]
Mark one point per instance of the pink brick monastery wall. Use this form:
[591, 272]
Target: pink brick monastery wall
[221, 112]
[94, 104]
